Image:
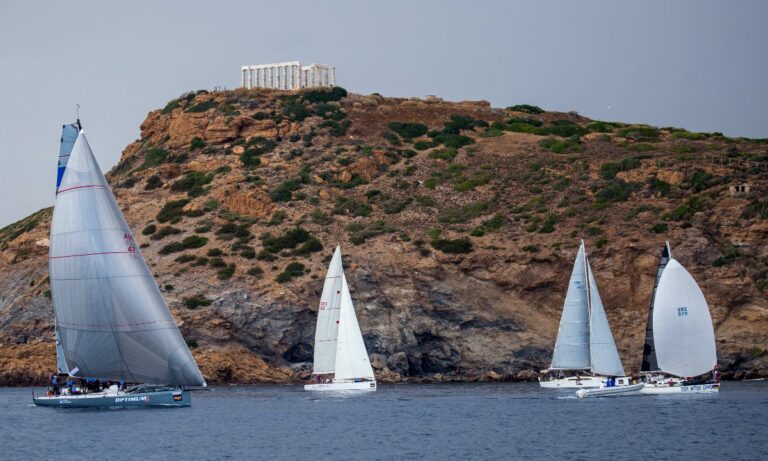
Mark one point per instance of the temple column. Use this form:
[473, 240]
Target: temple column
[333, 76]
[327, 76]
[272, 76]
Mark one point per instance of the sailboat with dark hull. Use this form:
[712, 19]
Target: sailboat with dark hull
[112, 324]
[679, 354]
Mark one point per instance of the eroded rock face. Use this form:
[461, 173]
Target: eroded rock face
[427, 312]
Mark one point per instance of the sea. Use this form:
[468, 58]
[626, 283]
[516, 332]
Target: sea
[500, 421]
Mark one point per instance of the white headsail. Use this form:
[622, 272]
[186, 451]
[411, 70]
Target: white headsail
[351, 356]
[572, 345]
[111, 318]
[683, 335]
[326, 332]
[604, 357]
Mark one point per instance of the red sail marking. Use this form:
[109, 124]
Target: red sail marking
[92, 254]
[92, 186]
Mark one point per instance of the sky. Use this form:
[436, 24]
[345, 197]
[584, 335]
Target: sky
[700, 64]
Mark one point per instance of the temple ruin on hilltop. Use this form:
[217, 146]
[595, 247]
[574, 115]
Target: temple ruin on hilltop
[287, 76]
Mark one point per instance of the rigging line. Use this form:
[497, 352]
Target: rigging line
[91, 254]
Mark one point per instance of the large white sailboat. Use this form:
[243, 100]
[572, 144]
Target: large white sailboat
[585, 354]
[341, 360]
[679, 355]
[112, 324]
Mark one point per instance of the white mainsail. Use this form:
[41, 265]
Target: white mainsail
[572, 344]
[584, 340]
[111, 318]
[326, 332]
[683, 336]
[339, 346]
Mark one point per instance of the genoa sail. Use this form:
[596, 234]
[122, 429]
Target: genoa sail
[572, 344]
[683, 335]
[326, 332]
[604, 357]
[649, 351]
[112, 321]
[351, 355]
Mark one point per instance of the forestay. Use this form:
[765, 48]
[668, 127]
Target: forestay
[604, 357]
[112, 321]
[572, 344]
[326, 332]
[683, 335]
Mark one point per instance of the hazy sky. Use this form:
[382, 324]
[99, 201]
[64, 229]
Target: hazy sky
[698, 64]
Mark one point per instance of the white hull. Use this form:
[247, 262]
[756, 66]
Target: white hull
[571, 382]
[363, 386]
[632, 389]
[658, 389]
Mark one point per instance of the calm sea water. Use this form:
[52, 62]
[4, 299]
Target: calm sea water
[440, 422]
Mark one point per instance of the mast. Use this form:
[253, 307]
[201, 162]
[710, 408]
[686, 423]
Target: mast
[650, 363]
[589, 305]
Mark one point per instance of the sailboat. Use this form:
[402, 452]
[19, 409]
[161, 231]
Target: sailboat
[679, 355]
[585, 354]
[341, 360]
[112, 324]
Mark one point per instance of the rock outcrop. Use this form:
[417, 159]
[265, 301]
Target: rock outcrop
[459, 223]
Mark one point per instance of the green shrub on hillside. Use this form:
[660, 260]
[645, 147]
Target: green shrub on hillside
[359, 233]
[165, 231]
[616, 191]
[323, 95]
[641, 133]
[424, 145]
[456, 141]
[202, 106]
[171, 210]
[196, 143]
[599, 127]
[566, 129]
[293, 269]
[193, 183]
[287, 241]
[447, 154]
[527, 108]
[565, 146]
[155, 156]
[149, 230]
[255, 148]
[453, 246]
[408, 130]
[463, 214]
[284, 192]
[193, 302]
[153, 182]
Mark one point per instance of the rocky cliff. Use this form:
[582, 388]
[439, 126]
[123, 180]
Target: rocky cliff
[459, 223]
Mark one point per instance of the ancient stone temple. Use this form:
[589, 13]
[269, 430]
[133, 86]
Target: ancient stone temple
[288, 76]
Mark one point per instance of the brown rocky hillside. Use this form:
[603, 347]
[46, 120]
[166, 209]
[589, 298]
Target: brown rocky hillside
[458, 222]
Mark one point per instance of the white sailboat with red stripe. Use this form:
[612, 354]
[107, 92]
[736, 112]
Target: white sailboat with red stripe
[341, 359]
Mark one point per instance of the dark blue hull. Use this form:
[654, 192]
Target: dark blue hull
[165, 398]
